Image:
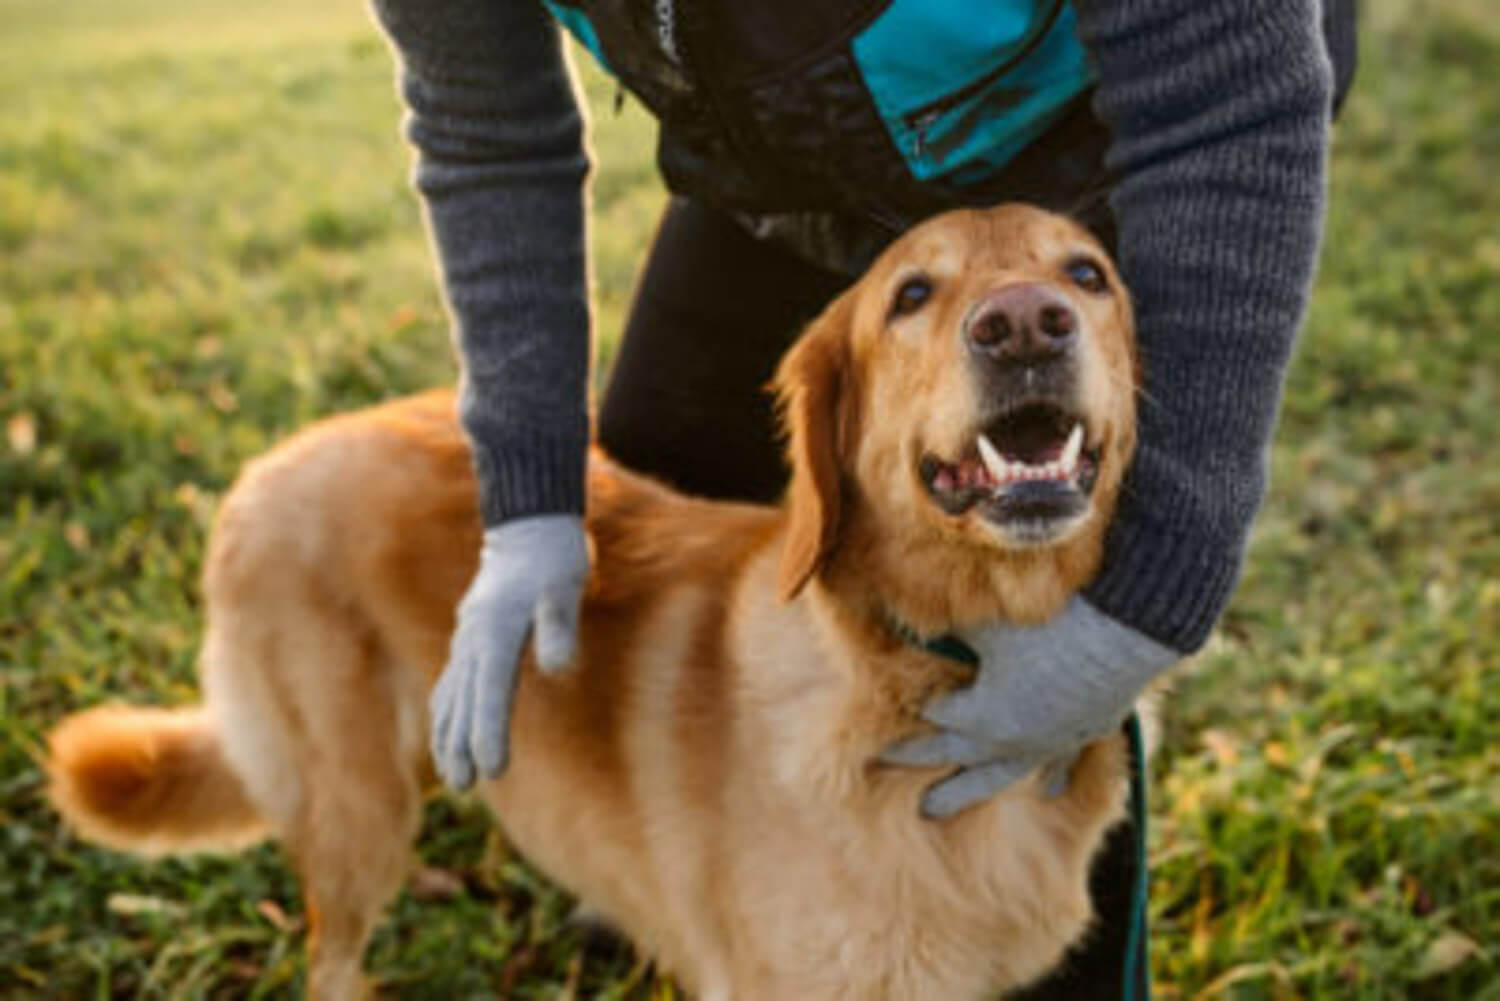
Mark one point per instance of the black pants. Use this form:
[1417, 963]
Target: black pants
[686, 403]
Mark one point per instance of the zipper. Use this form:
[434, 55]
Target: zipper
[921, 119]
[664, 16]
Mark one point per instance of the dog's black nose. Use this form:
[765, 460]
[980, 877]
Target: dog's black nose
[1022, 324]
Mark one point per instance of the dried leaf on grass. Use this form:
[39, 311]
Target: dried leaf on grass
[20, 431]
[1446, 953]
[134, 904]
[272, 912]
[432, 883]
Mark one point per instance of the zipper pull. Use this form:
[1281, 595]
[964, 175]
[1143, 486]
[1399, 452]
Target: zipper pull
[619, 97]
[919, 127]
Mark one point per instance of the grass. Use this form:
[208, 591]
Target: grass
[207, 239]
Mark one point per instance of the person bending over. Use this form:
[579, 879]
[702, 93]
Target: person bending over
[798, 138]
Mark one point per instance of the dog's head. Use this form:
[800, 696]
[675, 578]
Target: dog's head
[968, 405]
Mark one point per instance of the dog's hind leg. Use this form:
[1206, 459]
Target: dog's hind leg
[328, 732]
[352, 854]
[321, 719]
[352, 841]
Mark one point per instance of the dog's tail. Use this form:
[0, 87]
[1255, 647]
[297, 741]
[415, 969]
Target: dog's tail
[149, 781]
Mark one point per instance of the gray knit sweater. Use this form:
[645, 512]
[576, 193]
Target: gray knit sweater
[1219, 111]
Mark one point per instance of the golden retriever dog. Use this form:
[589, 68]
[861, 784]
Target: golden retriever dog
[705, 776]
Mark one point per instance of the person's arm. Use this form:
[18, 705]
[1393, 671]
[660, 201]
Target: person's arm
[1219, 111]
[501, 168]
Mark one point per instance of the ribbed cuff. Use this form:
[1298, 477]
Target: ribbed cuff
[530, 471]
[1168, 585]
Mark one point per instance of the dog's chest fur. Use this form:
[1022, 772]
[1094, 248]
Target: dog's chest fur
[747, 836]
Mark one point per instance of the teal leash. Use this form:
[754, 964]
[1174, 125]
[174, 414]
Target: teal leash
[1137, 977]
[1137, 966]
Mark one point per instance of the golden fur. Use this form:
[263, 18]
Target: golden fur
[704, 777]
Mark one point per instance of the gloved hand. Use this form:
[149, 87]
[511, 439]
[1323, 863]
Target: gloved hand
[530, 582]
[1042, 693]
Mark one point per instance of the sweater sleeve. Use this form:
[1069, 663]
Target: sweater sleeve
[501, 168]
[1219, 111]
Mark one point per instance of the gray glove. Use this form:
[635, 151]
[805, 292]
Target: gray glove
[1041, 694]
[530, 582]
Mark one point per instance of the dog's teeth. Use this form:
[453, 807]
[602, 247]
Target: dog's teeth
[993, 460]
[1069, 458]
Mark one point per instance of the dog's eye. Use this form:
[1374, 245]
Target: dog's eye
[1087, 274]
[912, 294]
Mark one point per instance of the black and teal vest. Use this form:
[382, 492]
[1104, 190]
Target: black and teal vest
[862, 115]
[834, 125]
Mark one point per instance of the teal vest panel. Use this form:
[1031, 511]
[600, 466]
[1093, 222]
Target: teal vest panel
[964, 85]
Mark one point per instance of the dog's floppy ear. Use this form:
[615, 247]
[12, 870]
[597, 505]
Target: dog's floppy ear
[817, 414]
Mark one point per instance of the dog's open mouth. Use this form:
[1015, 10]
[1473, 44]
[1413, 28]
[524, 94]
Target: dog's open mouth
[1033, 466]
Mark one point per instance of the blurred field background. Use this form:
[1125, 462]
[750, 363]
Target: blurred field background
[207, 239]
